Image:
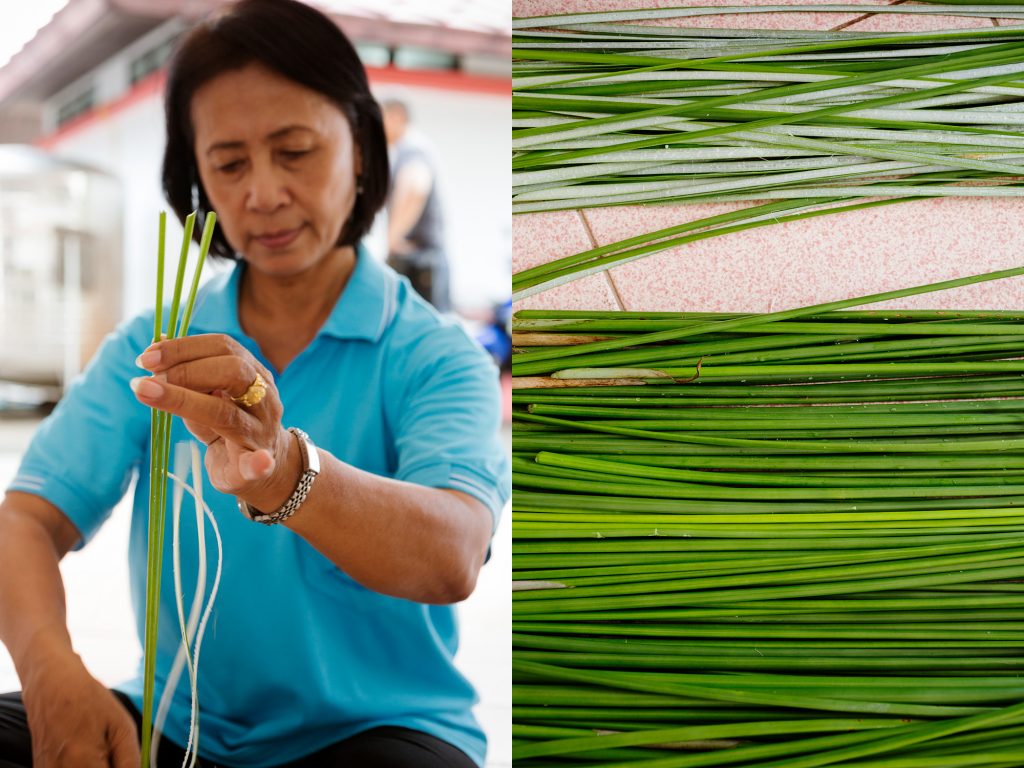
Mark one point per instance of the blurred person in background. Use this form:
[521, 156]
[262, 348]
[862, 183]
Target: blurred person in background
[333, 634]
[415, 218]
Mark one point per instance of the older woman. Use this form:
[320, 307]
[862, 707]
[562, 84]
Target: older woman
[333, 634]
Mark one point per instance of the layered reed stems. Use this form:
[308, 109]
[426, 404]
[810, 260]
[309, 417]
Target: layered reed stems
[177, 324]
[613, 108]
[717, 563]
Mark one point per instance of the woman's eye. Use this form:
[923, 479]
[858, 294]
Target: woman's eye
[232, 167]
[294, 154]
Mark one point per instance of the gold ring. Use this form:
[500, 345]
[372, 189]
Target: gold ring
[253, 395]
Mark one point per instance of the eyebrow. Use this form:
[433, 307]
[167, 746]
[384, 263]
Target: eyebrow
[275, 135]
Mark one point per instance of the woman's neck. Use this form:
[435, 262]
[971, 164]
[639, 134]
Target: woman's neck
[283, 314]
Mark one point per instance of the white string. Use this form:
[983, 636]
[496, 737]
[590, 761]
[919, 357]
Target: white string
[165, 699]
[197, 474]
[179, 460]
[197, 602]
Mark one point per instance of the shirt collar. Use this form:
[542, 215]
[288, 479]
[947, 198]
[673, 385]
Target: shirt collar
[367, 305]
[363, 311]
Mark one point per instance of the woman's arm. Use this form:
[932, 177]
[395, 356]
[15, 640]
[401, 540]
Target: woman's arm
[399, 538]
[73, 718]
[402, 539]
[409, 196]
[34, 536]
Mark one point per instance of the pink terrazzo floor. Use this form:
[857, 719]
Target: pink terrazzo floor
[789, 265]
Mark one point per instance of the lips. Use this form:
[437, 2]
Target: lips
[280, 238]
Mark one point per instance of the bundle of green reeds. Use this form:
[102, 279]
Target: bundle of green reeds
[609, 109]
[792, 539]
[177, 326]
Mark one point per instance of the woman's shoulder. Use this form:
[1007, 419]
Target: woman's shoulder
[134, 332]
[418, 332]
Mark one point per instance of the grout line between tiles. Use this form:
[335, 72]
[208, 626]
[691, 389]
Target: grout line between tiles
[615, 290]
[607, 272]
[861, 18]
[851, 22]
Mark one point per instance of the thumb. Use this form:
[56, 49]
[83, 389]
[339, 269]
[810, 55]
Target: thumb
[256, 465]
[124, 745]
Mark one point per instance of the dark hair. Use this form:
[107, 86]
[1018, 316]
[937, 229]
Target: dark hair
[296, 42]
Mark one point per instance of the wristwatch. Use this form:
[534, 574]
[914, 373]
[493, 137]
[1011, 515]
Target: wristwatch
[310, 469]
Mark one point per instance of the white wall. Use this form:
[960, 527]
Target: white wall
[471, 134]
[129, 146]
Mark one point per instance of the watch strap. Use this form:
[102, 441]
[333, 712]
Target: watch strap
[310, 469]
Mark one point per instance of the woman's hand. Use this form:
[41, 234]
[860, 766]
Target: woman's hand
[196, 377]
[75, 721]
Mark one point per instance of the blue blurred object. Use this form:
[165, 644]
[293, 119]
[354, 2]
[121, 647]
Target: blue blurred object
[496, 336]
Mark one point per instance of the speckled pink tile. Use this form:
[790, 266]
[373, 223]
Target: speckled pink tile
[540, 238]
[905, 22]
[734, 21]
[823, 259]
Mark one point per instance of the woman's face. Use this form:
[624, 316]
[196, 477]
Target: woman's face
[279, 166]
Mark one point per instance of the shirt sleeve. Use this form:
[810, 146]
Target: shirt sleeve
[82, 457]
[448, 426]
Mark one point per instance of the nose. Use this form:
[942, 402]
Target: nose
[267, 191]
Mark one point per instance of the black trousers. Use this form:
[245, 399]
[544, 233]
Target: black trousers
[387, 747]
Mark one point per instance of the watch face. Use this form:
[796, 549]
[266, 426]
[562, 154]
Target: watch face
[250, 512]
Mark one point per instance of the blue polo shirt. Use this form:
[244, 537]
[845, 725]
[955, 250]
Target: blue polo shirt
[297, 655]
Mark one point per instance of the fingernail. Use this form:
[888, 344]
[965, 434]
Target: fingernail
[148, 359]
[146, 387]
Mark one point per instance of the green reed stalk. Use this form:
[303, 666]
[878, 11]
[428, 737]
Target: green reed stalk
[786, 551]
[160, 437]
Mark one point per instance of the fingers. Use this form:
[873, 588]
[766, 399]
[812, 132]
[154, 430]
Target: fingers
[190, 375]
[196, 378]
[124, 744]
[208, 363]
[227, 373]
[161, 355]
[211, 413]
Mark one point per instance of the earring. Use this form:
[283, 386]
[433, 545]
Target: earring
[359, 185]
